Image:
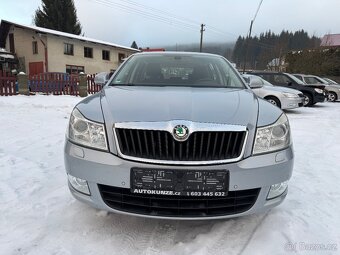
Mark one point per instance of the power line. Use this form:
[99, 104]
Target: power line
[141, 13]
[145, 11]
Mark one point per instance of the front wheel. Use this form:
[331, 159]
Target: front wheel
[308, 100]
[274, 101]
[332, 97]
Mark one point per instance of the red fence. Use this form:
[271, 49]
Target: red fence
[7, 84]
[60, 84]
[54, 83]
[92, 88]
[47, 83]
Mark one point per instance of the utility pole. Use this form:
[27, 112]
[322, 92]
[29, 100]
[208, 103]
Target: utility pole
[247, 46]
[249, 35]
[202, 30]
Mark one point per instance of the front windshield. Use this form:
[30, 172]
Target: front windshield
[267, 83]
[296, 79]
[323, 81]
[191, 70]
[330, 81]
[312, 80]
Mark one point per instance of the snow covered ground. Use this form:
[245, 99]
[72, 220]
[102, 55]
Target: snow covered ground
[38, 215]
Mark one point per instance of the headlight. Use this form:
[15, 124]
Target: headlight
[320, 91]
[273, 137]
[85, 132]
[289, 95]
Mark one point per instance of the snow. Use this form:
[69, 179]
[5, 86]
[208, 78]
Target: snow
[38, 215]
[68, 35]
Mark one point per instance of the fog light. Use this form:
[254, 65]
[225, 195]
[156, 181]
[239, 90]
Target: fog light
[277, 190]
[79, 185]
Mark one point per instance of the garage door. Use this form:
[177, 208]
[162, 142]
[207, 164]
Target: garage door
[36, 68]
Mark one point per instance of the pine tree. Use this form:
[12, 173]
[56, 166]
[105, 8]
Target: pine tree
[60, 15]
[134, 45]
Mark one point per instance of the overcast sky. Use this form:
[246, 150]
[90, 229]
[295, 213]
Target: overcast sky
[171, 22]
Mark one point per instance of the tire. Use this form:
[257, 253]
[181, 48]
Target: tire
[274, 101]
[308, 100]
[332, 97]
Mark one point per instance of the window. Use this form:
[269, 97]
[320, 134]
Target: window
[281, 79]
[299, 77]
[106, 55]
[312, 80]
[88, 52]
[71, 69]
[121, 57]
[68, 49]
[177, 70]
[35, 47]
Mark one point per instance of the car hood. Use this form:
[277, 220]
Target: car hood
[282, 89]
[150, 104]
[319, 86]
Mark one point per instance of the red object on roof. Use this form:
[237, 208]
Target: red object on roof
[331, 40]
[151, 49]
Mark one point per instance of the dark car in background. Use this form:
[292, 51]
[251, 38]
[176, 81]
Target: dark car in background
[313, 94]
[333, 90]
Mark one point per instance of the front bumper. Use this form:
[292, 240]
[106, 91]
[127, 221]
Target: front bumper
[291, 103]
[320, 98]
[104, 168]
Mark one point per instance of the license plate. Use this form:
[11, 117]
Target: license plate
[179, 182]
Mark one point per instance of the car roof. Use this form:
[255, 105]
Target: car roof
[183, 53]
[265, 72]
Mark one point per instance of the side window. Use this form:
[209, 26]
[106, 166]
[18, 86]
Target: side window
[267, 77]
[299, 77]
[281, 79]
[311, 80]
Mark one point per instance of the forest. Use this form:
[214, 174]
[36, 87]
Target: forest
[262, 49]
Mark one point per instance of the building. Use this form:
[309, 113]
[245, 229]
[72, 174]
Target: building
[41, 50]
[331, 40]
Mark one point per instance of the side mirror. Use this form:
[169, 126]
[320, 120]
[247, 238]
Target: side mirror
[255, 84]
[289, 83]
[102, 78]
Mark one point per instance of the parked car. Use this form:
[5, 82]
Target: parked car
[330, 81]
[313, 94]
[333, 90]
[284, 98]
[178, 135]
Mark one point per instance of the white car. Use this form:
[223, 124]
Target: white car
[284, 98]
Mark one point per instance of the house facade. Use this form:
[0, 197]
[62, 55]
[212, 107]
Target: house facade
[44, 50]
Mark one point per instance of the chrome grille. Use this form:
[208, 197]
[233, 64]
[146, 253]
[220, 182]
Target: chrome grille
[200, 146]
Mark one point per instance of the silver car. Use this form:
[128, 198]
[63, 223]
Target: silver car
[178, 136]
[282, 97]
[333, 90]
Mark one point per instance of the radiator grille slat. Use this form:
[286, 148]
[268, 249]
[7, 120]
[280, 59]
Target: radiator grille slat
[200, 145]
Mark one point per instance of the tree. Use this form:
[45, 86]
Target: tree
[60, 15]
[134, 45]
